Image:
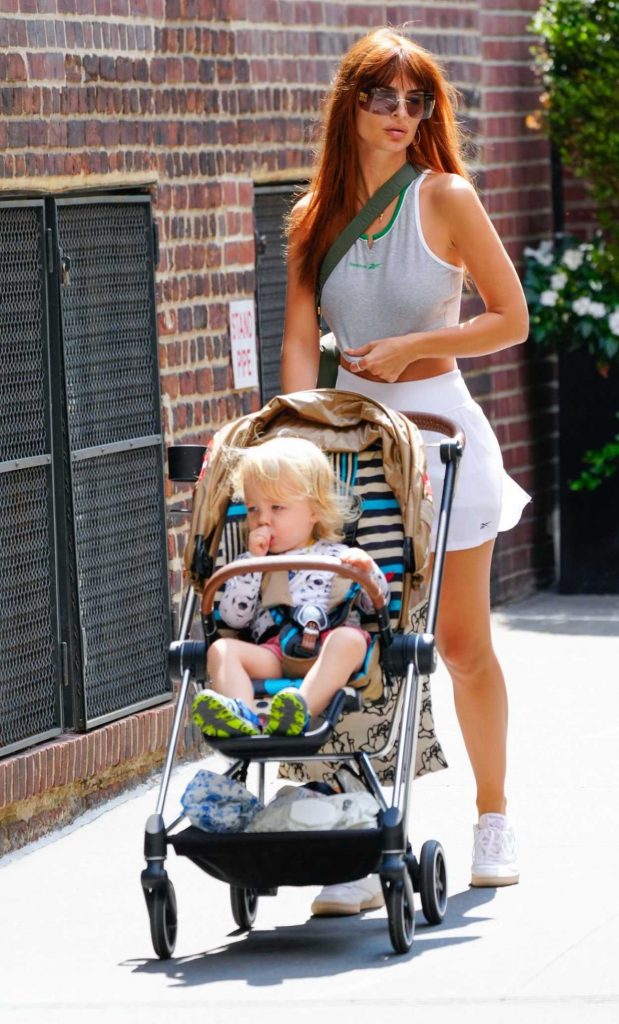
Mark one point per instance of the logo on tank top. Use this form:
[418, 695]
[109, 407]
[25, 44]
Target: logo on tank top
[366, 266]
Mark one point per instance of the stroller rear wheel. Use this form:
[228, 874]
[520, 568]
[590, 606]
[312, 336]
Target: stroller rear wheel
[433, 881]
[401, 915]
[244, 904]
[163, 920]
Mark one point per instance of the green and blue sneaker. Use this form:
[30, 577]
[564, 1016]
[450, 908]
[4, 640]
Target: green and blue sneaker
[288, 715]
[223, 717]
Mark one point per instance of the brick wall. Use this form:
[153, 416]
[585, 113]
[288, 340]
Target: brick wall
[202, 98]
[46, 788]
[517, 390]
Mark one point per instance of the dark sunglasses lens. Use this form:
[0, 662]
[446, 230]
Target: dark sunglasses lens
[381, 101]
[428, 106]
[415, 104]
[385, 101]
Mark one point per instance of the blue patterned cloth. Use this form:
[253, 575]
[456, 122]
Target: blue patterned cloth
[216, 803]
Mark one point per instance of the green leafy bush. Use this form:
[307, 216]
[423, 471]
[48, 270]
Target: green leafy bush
[575, 303]
[600, 463]
[573, 298]
[578, 58]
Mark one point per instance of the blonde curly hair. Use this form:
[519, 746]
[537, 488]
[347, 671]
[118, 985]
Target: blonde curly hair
[289, 468]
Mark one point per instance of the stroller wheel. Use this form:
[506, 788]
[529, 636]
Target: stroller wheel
[244, 904]
[163, 920]
[401, 915]
[433, 881]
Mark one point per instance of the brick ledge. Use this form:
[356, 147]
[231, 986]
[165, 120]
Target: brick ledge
[48, 786]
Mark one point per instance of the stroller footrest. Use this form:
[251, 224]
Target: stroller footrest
[284, 748]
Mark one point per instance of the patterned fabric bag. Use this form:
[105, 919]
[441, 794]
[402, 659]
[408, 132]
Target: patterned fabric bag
[216, 803]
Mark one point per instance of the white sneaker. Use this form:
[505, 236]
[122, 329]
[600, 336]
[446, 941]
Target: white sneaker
[349, 897]
[494, 852]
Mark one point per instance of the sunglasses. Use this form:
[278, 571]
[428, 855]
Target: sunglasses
[382, 100]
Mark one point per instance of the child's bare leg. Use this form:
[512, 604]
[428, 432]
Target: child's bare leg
[233, 663]
[343, 652]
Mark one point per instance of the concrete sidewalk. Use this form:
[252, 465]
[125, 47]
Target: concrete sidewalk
[75, 943]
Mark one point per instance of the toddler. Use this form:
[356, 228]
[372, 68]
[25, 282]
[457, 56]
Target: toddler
[293, 508]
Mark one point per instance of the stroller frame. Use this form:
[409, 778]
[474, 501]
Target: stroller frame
[385, 849]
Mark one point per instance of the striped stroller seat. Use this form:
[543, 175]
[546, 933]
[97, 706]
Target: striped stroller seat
[380, 531]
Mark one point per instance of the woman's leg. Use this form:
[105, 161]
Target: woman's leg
[465, 644]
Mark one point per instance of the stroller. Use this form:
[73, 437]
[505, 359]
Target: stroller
[380, 457]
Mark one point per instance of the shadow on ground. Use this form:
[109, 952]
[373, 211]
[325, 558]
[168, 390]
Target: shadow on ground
[317, 948]
[576, 615]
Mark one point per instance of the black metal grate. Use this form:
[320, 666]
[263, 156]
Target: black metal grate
[22, 340]
[28, 665]
[121, 578]
[272, 204]
[113, 425]
[29, 671]
[107, 322]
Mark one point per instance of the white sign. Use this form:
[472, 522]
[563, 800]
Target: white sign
[243, 344]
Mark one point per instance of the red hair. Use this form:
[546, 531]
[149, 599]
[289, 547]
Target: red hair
[376, 59]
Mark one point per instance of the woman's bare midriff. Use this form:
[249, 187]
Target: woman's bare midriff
[421, 369]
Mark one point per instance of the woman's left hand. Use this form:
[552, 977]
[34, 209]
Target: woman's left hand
[386, 358]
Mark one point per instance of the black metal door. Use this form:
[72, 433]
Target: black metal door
[272, 204]
[116, 576]
[84, 603]
[30, 676]
[589, 548]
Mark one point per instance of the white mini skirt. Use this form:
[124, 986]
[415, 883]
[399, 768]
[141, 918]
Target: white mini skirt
[486, 501]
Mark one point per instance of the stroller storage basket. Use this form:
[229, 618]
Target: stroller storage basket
[267, 860]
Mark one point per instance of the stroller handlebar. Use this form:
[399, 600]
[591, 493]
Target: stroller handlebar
[284, 563]
[438, 425]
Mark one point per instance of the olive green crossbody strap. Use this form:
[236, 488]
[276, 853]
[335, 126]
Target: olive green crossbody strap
[372, 209]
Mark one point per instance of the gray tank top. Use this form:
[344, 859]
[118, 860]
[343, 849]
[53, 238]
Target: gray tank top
[397, 286]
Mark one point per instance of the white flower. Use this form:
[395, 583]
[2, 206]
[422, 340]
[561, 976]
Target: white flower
[548, 298]
[581, 306]
[558, 281]
[543, 255]
[597, 310]
[596, 286]
[613, 321]
[573, 258]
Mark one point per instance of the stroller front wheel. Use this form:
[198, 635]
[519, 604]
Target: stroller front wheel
[401, 915]
[433, 881]
[163, 920]
[244, 903]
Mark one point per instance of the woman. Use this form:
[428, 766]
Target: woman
[393, 304]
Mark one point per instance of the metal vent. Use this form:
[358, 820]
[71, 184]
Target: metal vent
[272, 204]
[121, 579]
[107, 322]
[29, 670]
[28, 664]
[83, 553]
[116, 458]
[22, 388]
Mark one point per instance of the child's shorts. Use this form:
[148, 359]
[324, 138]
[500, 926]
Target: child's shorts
[275, 647]
[486, 501]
